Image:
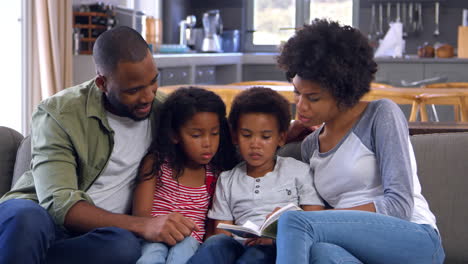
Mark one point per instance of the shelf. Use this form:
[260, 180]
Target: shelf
[88, 39]
[89, 14]
[89, 26]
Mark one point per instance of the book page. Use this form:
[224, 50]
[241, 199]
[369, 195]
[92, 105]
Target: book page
[275, 216]
[251, 230]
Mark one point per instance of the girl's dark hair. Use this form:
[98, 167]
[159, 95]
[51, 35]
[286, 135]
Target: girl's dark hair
[179, 108]
[338, 58]
[260, 100]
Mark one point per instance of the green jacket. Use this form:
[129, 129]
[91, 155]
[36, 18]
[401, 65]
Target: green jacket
[71, 144]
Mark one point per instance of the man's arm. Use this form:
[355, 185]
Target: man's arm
[170, 229]
[55, 171]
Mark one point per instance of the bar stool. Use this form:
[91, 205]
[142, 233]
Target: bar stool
[456, 99]
[262, 82]
[396, 97]
[456, 109]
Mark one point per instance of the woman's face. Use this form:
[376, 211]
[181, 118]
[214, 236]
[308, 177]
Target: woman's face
[314, 105]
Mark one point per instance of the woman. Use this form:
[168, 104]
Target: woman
[361, 158]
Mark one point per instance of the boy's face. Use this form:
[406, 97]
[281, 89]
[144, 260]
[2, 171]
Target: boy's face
[258, 137]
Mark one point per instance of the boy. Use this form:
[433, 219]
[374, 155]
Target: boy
[259, 119]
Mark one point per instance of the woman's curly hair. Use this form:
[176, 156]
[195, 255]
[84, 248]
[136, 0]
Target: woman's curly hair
[338, 58]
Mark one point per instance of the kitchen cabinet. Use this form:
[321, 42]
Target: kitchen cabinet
[174, 75]
[205, 75]
[454, 72]
[394, 73]
[252, 72]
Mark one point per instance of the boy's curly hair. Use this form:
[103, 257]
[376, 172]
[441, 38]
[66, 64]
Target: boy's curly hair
[260, 100]
[338, 58]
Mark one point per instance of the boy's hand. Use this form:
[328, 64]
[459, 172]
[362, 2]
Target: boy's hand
[258, 241]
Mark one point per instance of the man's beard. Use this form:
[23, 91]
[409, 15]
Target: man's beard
[122, 109]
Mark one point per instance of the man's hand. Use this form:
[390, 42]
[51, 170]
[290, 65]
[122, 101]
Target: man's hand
[170, 229]
[258, 241]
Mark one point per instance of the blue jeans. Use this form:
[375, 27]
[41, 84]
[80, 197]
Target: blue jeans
[355, 237]
[160, 253]
[28, 234]
[224, 249]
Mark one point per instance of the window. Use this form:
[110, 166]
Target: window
[11, 66]
[271, 22]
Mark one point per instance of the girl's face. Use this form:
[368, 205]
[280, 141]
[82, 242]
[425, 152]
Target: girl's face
[199, 138]
[258, 137]
[314, 105]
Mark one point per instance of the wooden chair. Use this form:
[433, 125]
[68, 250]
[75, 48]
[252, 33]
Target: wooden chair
[445, 100]
[398, 98]
[457, 100]
[261, 82]
[380, 85]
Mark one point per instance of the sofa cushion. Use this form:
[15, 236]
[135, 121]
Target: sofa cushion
[9, 143]
[23, 159]
[443, 172]
[442, 161]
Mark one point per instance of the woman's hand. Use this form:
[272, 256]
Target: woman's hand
[258, 241]
[297, 131]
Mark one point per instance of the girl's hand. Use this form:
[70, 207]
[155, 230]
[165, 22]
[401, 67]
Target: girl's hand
[258, 241]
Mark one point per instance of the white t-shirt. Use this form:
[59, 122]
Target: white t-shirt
[240, 197]
[373, 163]
[113, 189]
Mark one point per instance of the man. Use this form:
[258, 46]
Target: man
[87, 143]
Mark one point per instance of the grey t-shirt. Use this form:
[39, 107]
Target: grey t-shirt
[240, 197]
[373, 163]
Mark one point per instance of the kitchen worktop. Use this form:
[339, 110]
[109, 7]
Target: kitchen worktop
[244, 66]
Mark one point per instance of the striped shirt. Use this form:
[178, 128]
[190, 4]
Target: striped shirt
[191, 202]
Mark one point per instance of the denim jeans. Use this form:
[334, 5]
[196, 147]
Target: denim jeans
[29, 235]
[224, 249]
[355, 237]
[160, 253]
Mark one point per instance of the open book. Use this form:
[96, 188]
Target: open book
[267, 229]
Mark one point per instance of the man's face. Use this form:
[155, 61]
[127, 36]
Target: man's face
[130, 89]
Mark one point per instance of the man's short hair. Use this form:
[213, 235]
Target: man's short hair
[120, 44]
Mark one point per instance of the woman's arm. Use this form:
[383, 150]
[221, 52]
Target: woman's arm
[369, 207]
[221, 231]
[312, 207]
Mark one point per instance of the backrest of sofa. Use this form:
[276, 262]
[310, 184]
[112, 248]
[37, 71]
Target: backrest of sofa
[10, 140]
[443, 172]
[23, 159]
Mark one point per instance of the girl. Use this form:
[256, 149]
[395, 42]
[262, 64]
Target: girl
[361, 158]
[178, 174]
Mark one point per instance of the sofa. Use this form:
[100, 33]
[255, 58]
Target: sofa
[442, 168]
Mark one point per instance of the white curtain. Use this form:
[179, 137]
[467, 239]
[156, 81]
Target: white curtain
[49, 50]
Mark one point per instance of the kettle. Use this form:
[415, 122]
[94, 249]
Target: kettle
[212, 28]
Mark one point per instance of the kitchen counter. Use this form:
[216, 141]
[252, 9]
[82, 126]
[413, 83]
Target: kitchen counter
[245, 66]
[190, 59]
